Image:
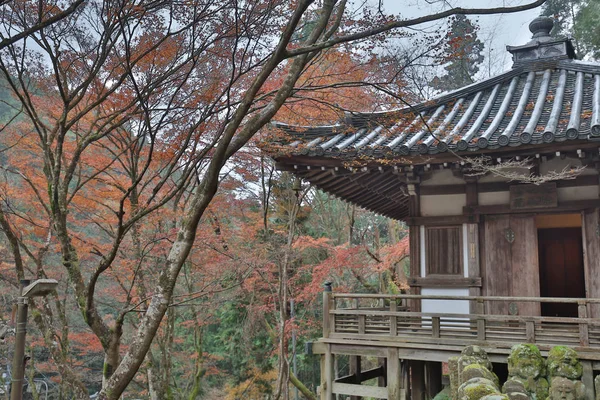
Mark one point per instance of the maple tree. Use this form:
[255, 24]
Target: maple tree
[126, 116]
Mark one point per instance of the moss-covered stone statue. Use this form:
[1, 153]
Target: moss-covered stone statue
[472, 376]
[564, 374]
[563, 361]
[476, 388]
[526, 374]
[473, 355]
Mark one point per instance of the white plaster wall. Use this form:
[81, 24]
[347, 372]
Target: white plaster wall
[557, 164]
[577, 193]
[493, 198]
[443, 205]
[442, 177]
[445, 306]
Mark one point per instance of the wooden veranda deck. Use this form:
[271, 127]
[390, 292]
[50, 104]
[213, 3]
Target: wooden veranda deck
[383, 326]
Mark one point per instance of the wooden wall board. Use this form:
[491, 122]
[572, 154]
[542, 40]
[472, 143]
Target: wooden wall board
[511, 262]
[524, 277]
[591, 257]
[498, 262]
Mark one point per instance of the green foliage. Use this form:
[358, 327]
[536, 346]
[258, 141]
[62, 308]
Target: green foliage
[587, 29]
[237, 350]
[578, 19]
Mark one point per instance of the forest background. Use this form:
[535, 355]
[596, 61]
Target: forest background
[118, 123]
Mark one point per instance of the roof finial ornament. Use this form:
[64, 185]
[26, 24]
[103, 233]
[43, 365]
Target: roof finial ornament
[541, 27]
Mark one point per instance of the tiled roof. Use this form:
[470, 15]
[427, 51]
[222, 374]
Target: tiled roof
[539, 102]
[546, 97]
[548, 103]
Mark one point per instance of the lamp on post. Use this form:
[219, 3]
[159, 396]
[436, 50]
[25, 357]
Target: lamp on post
[38, 288]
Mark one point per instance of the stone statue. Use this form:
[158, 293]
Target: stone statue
[471, 376]
[526, 370]
[476, 388]
[566, 389]
[563, 361]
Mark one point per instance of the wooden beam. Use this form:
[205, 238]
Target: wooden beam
[443, 220]
[365, 376]
[573, 205]
[445, 281]
[359, 390]
[486, 187]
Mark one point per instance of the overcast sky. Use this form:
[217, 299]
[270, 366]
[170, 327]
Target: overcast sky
[496, 32]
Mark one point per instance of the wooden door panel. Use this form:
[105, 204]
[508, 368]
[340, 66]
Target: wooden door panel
[561, 269]
[524, 259]
[511, 268]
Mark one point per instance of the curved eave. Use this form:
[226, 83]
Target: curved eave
[381, 192]
[537, 103]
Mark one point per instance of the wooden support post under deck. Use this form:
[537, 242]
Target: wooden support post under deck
[588, 379]
[394, 375]
[417, 380]
[433, 375]
[356, 369]
[327, 375]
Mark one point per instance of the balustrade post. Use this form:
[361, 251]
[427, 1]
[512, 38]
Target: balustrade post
[393, 318]
[327, 307]
[584, 338]
[435, 327]
[480, 309]
[530, 331]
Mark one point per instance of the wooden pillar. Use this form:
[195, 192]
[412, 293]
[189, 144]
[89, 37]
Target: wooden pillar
[327, 374]
[382, 379]
[473, 264]
[417, 380]
[356, 369]
[588, 379]
[414, 243]
[433, 375]
[394, 376]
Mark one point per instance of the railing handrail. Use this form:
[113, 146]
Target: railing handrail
[470, 298]
[465, 317]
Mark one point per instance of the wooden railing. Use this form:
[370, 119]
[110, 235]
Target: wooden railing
[389, 318]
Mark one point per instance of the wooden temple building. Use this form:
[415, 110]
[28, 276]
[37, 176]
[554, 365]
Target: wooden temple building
[493, 261]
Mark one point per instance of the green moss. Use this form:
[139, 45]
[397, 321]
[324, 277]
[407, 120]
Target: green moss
[563, 361]
[473, 355]
[476, 388]
[541, 390]
[525, 361]
[478, 371]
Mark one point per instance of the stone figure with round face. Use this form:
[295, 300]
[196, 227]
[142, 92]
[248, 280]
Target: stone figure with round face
[526, 361]
[472, 355]
[526, 370]
[566, 389]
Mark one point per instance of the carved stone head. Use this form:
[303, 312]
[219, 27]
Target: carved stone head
[525, 361]
[566, 389]
[563, 361]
